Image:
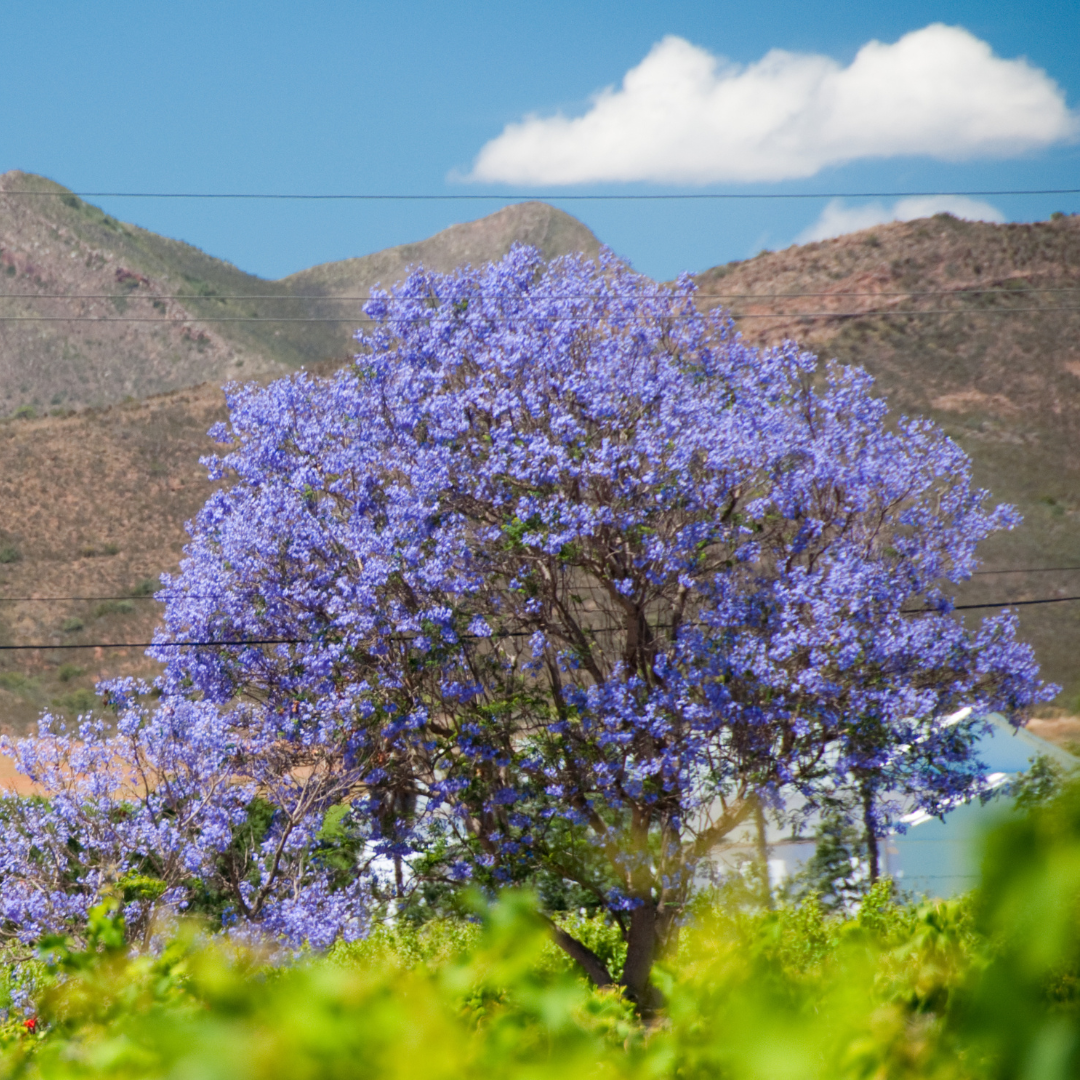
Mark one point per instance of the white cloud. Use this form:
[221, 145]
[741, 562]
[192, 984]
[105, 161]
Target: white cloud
[683, 115]
[837, 218]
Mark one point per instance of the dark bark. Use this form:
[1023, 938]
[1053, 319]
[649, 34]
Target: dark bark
[640, 953]
[870, 834]
[587, 960]
[763, 854]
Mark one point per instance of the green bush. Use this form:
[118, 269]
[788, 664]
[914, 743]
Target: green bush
[91, 551]
[1025, 1007]
[71, 624]
[746, 998]
[9, 553]
[77, 701]
[67, 672]
[981, 988]
[113, 607]
[17, 682]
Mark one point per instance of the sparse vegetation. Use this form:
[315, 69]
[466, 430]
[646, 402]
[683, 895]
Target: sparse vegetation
[77, 701]
[113, 607]
[17, 682]
[94, 551]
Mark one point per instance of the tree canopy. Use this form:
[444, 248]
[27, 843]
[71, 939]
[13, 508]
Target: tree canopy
[559, 582]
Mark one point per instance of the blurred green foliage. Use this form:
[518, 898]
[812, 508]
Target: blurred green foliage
[985, 987]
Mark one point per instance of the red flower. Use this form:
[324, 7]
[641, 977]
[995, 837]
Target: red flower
[31, 1024]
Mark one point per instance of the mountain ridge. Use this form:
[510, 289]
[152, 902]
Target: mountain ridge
[110, 272]
[994, 359]
[96, 499]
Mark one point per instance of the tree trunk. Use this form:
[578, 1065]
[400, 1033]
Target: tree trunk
[640, 953]
[763, 855]
[870, 834]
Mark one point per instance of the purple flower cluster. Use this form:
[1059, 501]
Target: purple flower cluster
[158, 812]
[568, 580]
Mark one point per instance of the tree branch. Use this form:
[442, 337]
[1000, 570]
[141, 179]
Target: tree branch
[581, 954]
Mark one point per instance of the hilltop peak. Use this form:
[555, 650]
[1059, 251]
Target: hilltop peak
[149, 314]
[473, 243]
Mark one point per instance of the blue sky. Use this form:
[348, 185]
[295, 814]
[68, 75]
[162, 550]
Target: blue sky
[403, 98]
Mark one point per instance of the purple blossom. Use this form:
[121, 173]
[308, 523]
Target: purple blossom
[557, 541]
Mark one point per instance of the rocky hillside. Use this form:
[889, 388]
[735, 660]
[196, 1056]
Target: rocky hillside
[978, 327]
[975, 325]
[95, 499]
[93, 311]
[94, 506]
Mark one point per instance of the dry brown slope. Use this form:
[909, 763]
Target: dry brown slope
[473, 243]
[52, 243]
[999, 370]
[94, 506]
[127, 477]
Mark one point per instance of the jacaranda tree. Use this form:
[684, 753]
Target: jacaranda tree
[563, 583]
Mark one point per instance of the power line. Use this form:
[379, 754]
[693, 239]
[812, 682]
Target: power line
[1016, 603]
[72, 599]
[199, 596]
[696, 295]
[158, 644]
[461, 637]
[927, 292]
[880, 313]
[533, 197]
[1027, 570]
[891, 312]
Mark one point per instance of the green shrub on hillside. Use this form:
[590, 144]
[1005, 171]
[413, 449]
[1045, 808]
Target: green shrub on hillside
[77, 701]
[92, 551]
[17, 682]
[113, 607]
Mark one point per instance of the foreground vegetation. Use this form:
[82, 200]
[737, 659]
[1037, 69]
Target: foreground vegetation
[980, 987]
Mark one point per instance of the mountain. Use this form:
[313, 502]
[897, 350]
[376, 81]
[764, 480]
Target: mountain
[978, 327]
[974, 325]
[94, 506]
[95, 498]
[60, 258]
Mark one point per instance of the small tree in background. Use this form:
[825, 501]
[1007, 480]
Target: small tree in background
[570, 580]
[180, 807]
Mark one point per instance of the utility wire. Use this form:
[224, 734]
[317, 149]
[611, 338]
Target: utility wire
[557, 296]
[196, 596]
[60, 599]
[1027, 570]
[461, 637]
[1015, 603]
[158, 644]
[532, 197]
[892, 312]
